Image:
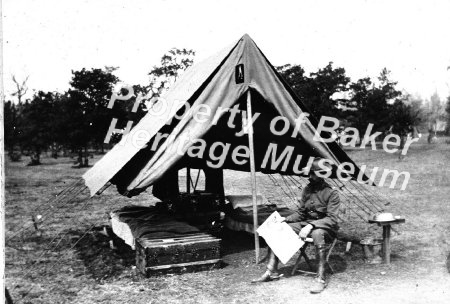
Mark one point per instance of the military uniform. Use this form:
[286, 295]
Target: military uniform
[319, 206]
[317, 216]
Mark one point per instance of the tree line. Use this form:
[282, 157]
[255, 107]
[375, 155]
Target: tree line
[330, 92]
[78, 119]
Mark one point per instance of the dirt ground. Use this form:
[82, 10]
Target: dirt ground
[65, 258]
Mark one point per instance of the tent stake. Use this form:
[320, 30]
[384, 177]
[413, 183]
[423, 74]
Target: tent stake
[253, 173]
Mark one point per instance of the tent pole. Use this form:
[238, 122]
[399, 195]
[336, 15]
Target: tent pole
[253, 173]
[188, 180]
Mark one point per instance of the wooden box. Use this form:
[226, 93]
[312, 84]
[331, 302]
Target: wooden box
[187, 253]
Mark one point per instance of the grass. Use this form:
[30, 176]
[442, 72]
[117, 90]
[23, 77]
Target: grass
[53, 265]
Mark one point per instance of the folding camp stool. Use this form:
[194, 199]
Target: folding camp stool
[305, 256]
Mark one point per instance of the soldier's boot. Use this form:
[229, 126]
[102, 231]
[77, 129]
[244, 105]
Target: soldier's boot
[320, 280]
[271, 272]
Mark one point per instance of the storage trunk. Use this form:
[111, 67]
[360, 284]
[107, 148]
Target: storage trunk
[186, 253]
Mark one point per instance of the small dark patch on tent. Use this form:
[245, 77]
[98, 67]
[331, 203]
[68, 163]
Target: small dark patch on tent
[239, 74]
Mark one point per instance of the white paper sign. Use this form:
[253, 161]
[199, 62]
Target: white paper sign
[280, 237]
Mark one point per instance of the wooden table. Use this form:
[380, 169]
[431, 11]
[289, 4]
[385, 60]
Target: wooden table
[387, 236]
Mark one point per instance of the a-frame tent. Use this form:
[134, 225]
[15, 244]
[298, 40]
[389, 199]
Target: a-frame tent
[213, 84]
[240, 76]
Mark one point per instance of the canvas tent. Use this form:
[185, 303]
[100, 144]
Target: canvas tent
[220, 82]
[205, 114]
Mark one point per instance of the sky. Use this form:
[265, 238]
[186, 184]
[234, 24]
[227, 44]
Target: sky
[47, 39]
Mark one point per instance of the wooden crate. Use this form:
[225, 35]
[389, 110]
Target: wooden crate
[187, 253]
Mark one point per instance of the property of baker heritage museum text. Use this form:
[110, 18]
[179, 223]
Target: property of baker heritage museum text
[275, 158]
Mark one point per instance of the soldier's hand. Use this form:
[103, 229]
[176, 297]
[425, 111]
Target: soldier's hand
[305, 231]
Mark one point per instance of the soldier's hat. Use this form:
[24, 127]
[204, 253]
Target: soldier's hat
[316, 167]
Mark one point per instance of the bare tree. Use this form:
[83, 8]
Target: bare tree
[436, 115]
[21, 88]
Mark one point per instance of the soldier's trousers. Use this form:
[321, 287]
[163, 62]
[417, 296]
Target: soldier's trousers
[320, 238]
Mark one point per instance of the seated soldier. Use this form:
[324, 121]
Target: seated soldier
[317, 217]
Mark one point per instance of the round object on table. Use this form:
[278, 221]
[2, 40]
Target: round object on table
[384, 217]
